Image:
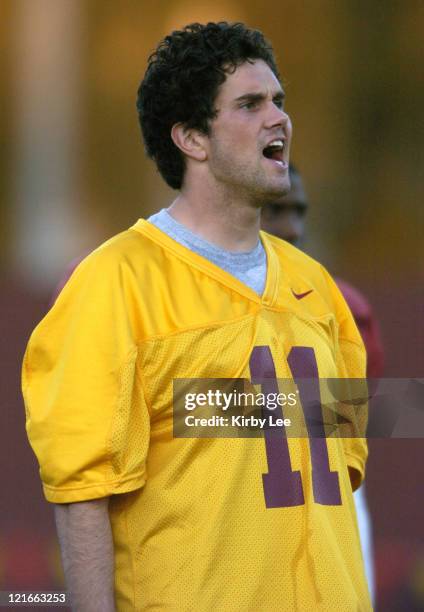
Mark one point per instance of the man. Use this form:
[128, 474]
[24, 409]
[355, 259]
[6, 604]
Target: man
[152, 521]
[286, 219]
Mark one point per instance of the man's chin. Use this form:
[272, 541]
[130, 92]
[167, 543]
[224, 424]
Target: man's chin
[276, 191]
[285, 187]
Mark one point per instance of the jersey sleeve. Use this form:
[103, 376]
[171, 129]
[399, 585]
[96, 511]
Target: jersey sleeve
[87, 420]
[351, 366]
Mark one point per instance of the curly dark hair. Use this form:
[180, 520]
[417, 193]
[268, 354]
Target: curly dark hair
[181, 84]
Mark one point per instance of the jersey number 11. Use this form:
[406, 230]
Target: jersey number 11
[282, 485]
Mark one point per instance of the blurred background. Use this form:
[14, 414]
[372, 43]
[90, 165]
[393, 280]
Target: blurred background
[73, 172]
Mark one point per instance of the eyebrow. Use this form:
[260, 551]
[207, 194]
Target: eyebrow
[258, 97]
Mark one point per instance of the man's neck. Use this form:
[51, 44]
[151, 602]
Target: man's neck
[225, 222]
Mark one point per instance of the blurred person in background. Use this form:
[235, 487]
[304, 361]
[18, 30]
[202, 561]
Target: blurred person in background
[285, 218]
[147, 519]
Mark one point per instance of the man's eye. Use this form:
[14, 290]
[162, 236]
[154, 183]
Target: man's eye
[249, 105]
[279, 103]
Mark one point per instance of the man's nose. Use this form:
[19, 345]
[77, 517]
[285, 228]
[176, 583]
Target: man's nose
[277, 116]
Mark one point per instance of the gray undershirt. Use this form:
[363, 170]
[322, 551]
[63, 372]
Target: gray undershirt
[249, 267]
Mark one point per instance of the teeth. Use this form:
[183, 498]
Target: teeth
[276, 143]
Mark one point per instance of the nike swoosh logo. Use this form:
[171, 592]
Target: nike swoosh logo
[299, 296]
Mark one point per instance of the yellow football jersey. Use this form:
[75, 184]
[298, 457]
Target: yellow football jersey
[204, 525]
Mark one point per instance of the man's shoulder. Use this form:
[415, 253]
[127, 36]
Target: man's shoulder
[127, 246]
[117, 256]
[358, 303]
[124, 246]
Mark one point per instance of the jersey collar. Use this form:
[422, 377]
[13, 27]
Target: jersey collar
[194, 259]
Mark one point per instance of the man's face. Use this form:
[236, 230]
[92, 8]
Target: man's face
[285, 217]
[249, 140]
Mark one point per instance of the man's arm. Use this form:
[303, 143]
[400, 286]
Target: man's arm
[86, 545]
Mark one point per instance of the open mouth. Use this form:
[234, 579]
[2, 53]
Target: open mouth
[274, 150]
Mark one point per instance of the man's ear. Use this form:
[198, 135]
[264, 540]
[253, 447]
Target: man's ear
[190, 141]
